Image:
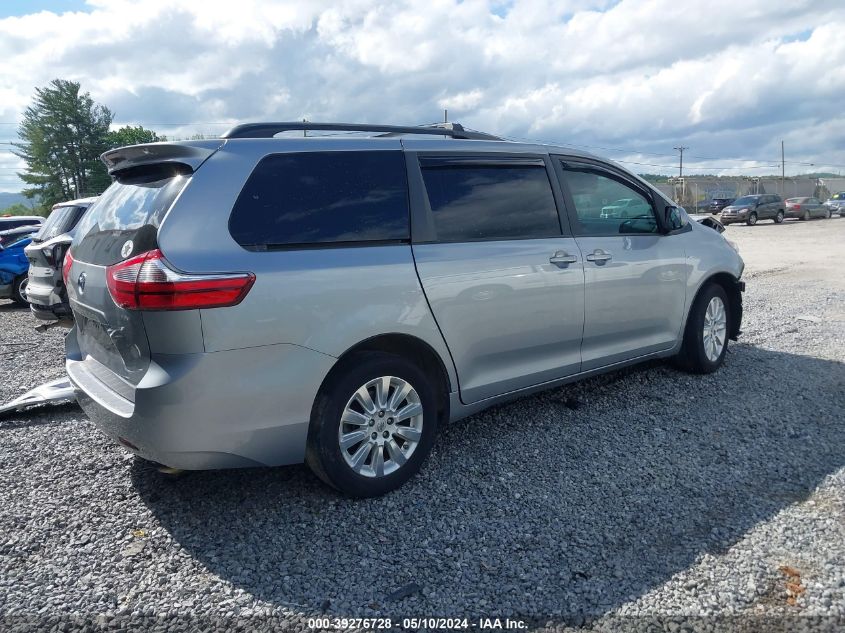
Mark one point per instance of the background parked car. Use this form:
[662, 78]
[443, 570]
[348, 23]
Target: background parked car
[13, 269]
[717, 204]
[8, 236]
[806, 208]
[14, 221]
[624, 208]
[750, 209]
[46, 290]
[836, 203]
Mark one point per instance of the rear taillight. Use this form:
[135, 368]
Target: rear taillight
[66, 266]
[796, 206]
[146, 282]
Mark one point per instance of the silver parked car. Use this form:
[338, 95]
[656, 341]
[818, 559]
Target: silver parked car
[259, 301]
[806, 208]
[836, 203]
[46, 289]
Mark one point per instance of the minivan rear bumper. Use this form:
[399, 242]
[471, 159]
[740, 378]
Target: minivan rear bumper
[231, 409]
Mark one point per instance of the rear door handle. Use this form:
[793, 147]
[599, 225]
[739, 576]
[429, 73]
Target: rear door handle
[599, 256]
[561, 258]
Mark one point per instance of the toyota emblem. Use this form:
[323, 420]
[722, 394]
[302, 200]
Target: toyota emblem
[80, 283]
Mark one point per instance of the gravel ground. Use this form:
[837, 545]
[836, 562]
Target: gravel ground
[640, 499]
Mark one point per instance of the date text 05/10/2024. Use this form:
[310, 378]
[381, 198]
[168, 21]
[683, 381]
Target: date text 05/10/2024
[415, 623]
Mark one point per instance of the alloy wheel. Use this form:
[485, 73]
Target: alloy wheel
[381, 426]
[715, 329]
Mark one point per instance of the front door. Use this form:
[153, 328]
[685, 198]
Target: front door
[634, 276]
[504, 282]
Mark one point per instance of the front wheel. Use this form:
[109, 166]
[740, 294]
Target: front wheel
[752, 219]
[779, 217]
[827, 214]
[19, 290]
[706, 336]
[372, 425]
[806, 216]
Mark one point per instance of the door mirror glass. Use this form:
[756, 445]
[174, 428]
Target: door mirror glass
[672, 218]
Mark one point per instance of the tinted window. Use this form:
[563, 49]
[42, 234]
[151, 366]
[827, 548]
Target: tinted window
[474, 202]
[130, 209]
[61, 220]
[323, 197]
[605, 205]
[745, 200]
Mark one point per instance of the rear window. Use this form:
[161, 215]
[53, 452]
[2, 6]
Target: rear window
[475, 202]
[61, 220]
[323, 198]
[131, 209]
[6, 224]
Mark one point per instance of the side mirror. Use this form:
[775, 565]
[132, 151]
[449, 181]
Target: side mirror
[672, 219]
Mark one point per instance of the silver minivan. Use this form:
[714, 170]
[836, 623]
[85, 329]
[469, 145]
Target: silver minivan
[260, 300]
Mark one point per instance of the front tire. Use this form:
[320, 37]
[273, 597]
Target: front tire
[706, 336]
[806, 216]
[372, 425]
[752, 219]
[19, 290]
[779, 217]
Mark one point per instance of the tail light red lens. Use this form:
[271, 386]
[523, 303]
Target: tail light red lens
[146, 282]
[66, 264]
[796, 206]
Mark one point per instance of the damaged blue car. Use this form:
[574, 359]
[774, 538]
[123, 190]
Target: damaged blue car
[14, 267]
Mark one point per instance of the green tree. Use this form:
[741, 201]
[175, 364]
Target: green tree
[63, 133]
[18, 209]
[128, 135]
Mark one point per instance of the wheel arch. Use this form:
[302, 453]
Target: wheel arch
[412, 348]
[733, 288]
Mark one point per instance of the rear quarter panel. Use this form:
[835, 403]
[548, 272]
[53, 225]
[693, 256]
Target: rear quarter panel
[324, 299]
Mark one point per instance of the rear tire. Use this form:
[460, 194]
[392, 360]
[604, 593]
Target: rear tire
[371, 466]
[19, 290]
[779, 217]
[752, 219]
[697, 355]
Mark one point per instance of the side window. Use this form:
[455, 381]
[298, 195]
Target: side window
[490, 202]
[607, 206]
[310, 198]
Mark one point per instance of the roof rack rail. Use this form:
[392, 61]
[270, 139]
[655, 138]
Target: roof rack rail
[269, 130]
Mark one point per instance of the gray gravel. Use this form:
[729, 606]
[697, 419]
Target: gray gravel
[644, 498]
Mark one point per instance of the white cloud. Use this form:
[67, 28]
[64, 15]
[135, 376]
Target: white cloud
[728, 78]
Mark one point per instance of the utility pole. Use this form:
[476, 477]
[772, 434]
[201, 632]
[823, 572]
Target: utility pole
[681, 167]
[782, 172]
[681, 171]
[445, 116]
[304, 131]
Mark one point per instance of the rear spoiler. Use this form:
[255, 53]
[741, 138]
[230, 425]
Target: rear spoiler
[191, 153]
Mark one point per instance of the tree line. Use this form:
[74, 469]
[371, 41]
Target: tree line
[62, 134]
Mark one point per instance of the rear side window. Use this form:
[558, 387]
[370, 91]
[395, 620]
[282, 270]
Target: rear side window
[131, 209]
[481, 202]
[323, 198]
[61, 220]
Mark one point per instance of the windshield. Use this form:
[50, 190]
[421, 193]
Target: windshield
[745, 200]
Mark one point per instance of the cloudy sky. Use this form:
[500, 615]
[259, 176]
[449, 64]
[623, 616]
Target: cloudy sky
[631, 80]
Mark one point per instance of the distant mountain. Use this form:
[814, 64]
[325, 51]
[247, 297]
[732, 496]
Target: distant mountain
[7, 199]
